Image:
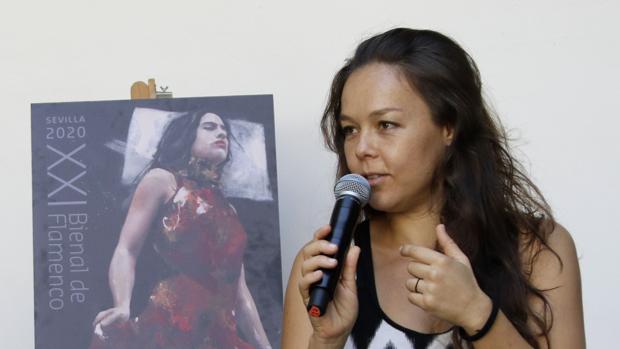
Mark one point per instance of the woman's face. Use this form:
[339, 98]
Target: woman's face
[390, 138]
[211, 142]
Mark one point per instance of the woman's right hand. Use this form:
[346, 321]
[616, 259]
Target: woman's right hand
[341, 313]
[110, 316]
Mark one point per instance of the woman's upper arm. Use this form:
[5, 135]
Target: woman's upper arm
[152, 191]
[561, 285]
[296, 328]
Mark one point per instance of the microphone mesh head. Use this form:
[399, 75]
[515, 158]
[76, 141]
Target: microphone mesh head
[355, 185]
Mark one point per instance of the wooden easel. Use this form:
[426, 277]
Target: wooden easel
[142, 90]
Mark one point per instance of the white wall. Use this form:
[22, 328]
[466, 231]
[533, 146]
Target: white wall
[550, 68]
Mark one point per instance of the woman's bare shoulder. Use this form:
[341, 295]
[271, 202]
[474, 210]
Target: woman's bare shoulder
[550, 261]
[158, 176]
[158, 182]
[561, 241]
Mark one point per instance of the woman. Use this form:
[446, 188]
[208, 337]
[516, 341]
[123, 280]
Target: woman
[198, 235]
[459, 248]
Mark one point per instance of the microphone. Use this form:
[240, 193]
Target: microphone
[352, 192]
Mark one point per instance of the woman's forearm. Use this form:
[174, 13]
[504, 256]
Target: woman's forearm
[250, 323]
[121, 277]
[248, 319]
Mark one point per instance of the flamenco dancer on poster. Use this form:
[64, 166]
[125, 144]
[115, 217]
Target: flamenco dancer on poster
[198, 234]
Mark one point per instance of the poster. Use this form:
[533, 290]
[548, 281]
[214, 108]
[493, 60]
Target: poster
[88, 161]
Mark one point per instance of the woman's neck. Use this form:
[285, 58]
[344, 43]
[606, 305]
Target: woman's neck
[202, 171]
[397, 229]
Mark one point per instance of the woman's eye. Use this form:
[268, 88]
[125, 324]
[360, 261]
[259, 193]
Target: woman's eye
[347, 130]
[386, 125]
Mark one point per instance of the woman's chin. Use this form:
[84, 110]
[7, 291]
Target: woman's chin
[215, 159]
[380, 204]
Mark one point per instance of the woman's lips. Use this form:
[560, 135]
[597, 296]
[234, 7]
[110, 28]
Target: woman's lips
[221, 144]
[375, 179]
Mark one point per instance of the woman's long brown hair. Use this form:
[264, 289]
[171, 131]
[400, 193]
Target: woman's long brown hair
[490, 207]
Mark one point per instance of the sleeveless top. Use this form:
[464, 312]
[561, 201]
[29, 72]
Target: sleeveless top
[201, 238]
[373, 328]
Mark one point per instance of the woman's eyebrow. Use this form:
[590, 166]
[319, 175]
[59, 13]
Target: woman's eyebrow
[211, 124]
[373, 114]
[382, 111]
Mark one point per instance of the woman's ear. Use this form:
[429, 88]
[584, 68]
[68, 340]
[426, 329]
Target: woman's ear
[448, 135]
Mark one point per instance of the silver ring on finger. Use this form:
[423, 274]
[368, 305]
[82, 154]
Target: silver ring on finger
[415, 289]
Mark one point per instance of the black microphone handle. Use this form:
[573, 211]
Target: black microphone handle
[343, 221]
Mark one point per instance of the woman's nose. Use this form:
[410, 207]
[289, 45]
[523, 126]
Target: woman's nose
[221, 134]
[366, 145]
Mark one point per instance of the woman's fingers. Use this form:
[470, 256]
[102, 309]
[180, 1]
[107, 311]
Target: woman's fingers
[316, 253]
[322, 232]
[421, 293]
[101, 316]
[422, 254]
[421, 270]
[311, 271]
[350, 267]
[417, 299]
[315, 248]
[306, 281]
[416, 285]
[108, 320]
[99, 332]
[317, 262]
[449, 247]
[112, 318]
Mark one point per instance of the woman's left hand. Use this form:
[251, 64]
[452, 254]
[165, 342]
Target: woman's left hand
[444, 283]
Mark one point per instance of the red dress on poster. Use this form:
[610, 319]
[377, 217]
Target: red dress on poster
[203, 240]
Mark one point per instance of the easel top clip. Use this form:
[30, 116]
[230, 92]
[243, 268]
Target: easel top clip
[142, 90]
